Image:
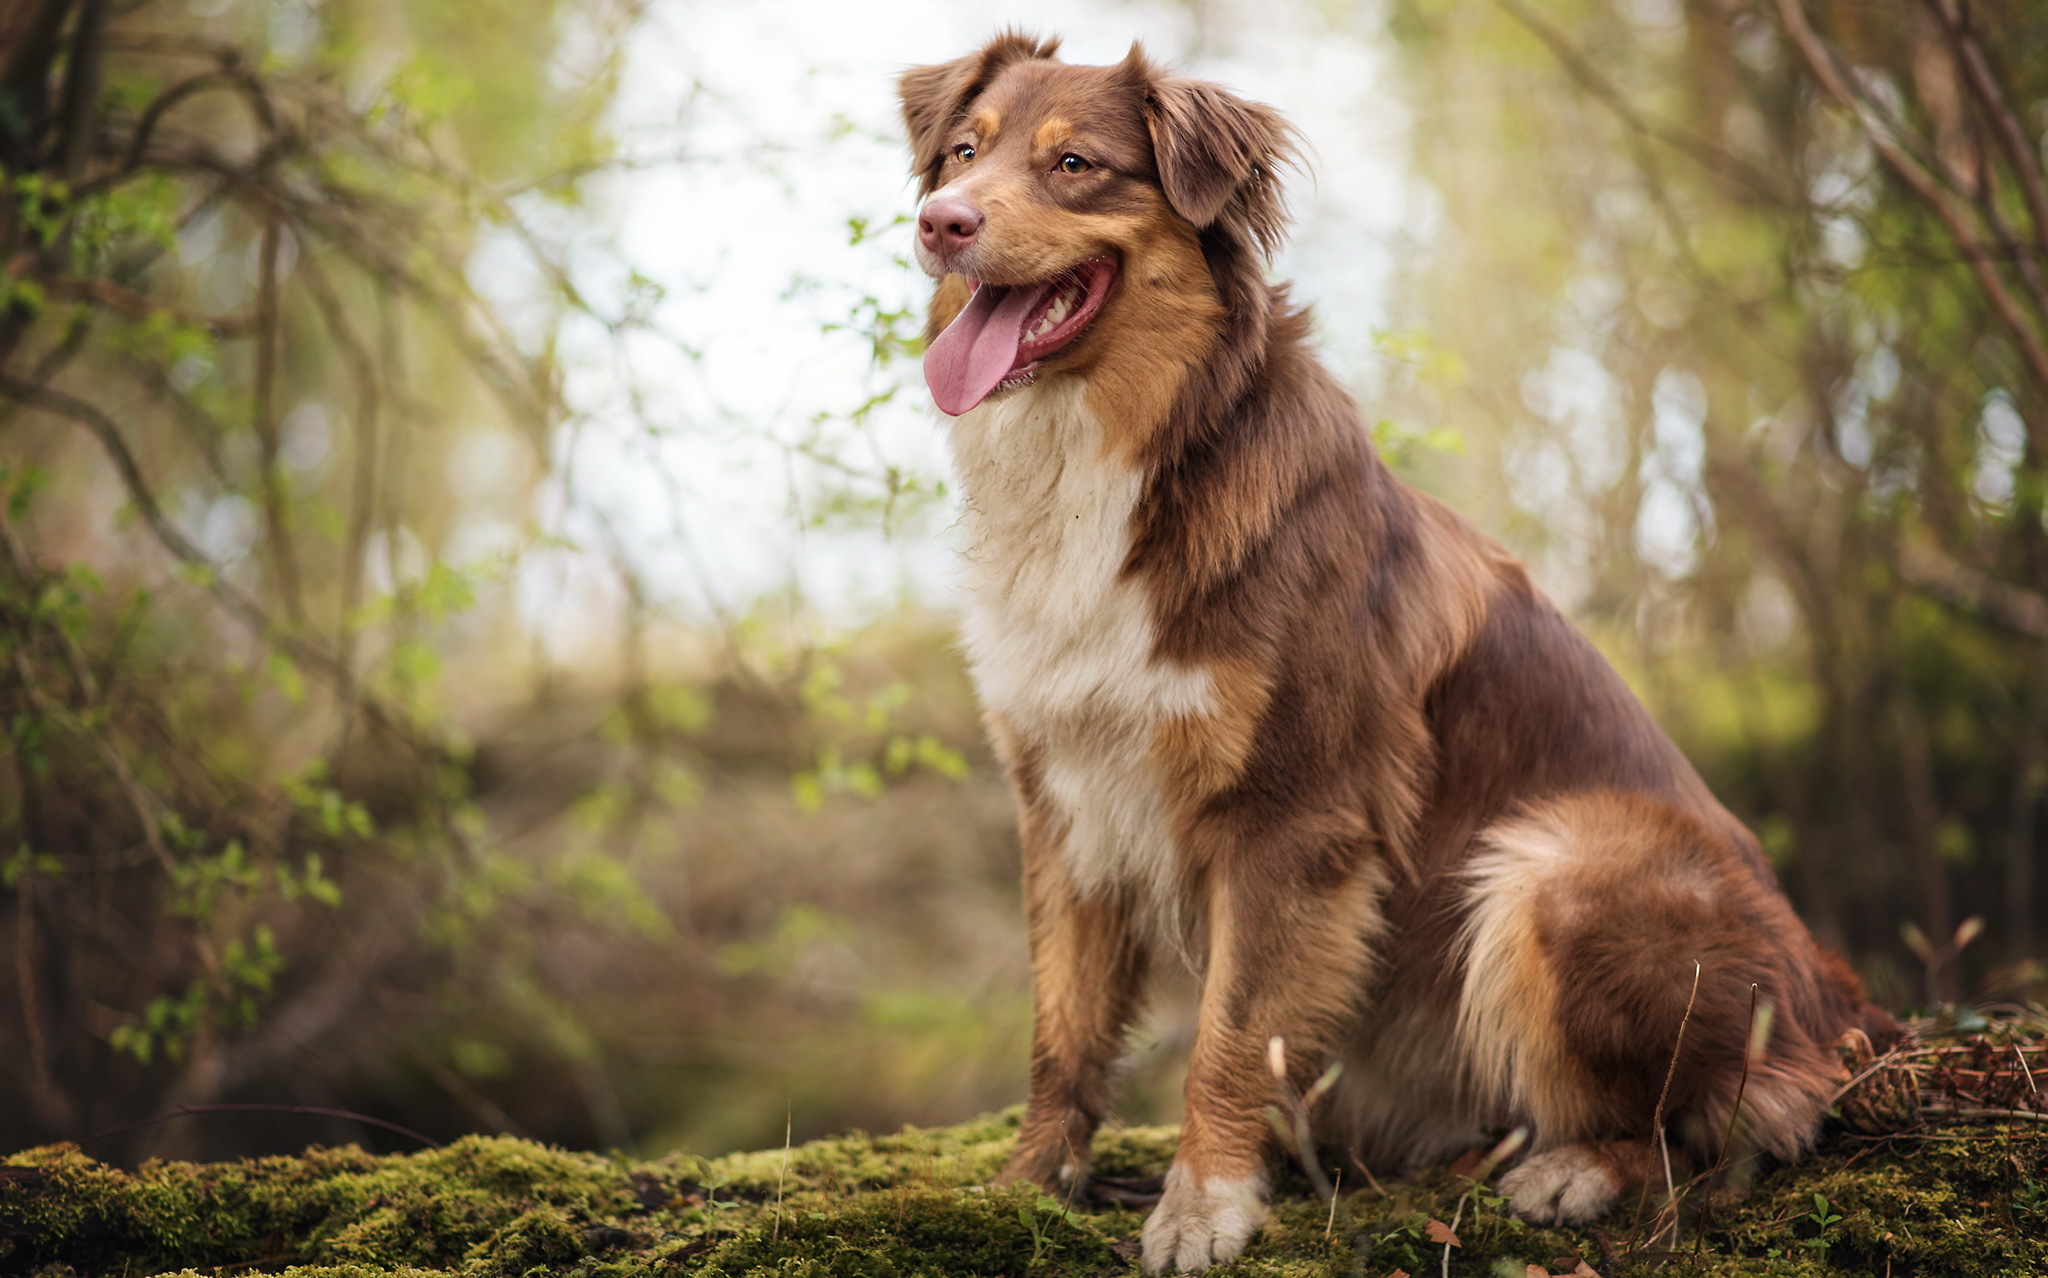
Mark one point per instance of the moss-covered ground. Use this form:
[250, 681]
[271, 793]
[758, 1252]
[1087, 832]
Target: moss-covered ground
[1968, 1200]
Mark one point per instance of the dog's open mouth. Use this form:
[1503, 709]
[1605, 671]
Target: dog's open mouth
[1006, 329]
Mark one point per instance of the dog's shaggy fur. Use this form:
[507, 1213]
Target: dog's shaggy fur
[1272, 714]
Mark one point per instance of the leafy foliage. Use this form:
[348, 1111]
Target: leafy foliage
[289, 295]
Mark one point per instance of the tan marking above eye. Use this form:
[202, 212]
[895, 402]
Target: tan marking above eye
[1053, 133]
[986, 123]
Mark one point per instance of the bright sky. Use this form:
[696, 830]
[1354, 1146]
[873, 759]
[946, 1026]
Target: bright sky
[788, 113]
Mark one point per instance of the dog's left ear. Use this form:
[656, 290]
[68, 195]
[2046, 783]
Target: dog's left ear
[1216, 152]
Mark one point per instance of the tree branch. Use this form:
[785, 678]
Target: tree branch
[263, 423]
[2012, 135]
[1821, 61]
[138, 306]
[1923, 565]
[1707, 153]
[80, 117]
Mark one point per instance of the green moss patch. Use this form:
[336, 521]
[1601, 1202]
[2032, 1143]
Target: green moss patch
[1965, 1200]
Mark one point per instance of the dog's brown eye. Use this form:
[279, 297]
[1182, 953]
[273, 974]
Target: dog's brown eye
[963, 153]
[1073, 164]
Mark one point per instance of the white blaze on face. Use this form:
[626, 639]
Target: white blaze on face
[1059, 640]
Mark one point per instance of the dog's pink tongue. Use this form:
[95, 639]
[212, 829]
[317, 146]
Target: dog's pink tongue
[979, 348]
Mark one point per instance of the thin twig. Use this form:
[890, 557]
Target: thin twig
[1456, 1217]
[316, 1111]
[1964, 1111]
[1336, 1192]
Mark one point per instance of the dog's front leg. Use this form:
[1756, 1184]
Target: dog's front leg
[1088, 968]
[1286, 960]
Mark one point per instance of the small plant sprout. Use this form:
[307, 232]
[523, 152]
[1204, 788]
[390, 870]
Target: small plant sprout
[1291, 1118]
[1826, 1218]
[1935, 958]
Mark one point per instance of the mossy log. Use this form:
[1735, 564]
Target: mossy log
[1967, 1200]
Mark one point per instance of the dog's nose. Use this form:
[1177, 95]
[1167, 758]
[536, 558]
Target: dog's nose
[948, 224]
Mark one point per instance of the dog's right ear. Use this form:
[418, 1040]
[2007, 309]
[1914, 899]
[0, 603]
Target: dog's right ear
[934, 98]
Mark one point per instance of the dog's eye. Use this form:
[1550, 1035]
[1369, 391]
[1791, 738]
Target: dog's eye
[964, 153]
[1074, 164]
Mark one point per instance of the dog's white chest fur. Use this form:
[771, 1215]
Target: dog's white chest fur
[1059, 640]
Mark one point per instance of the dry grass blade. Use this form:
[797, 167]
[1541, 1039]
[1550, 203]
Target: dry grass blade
[782, 1174]
[1657, 1117]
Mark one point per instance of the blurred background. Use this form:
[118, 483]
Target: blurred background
[475, 590]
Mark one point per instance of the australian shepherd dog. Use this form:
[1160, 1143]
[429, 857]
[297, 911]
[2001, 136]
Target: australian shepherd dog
[1275, 716]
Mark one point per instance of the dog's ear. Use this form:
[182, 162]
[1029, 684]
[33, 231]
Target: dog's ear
[934, 98]
[1217, 153]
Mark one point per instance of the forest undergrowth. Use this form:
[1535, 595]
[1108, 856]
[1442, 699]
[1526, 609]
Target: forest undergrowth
[1944, 1185]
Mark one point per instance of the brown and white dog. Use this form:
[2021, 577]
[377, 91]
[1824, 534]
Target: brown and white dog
[1272, 714]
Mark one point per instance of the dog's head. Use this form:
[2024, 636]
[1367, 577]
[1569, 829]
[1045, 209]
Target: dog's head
[1060, 193]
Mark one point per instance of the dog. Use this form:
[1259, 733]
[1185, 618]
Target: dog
[1269, 713]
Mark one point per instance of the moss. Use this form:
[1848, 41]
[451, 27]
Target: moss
[920, 1232]
[1963, 1200]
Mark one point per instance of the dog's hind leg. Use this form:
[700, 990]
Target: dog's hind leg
[1610, 950]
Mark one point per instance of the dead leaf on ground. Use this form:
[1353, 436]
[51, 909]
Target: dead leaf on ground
[1470, 1161]
[1439, 1232]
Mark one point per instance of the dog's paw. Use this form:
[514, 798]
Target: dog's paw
[1202, 1223]
[1568, 1186]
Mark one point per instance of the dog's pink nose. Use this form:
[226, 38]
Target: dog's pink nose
[948, 224]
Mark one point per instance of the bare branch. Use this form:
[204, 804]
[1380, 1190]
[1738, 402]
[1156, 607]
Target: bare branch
[1929, 188]
[82, 89]
[153, 114]
[138, 306]
[263, 424]
[1706, 152]
[363, 480]
[2012, 135]
[1927, 567]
